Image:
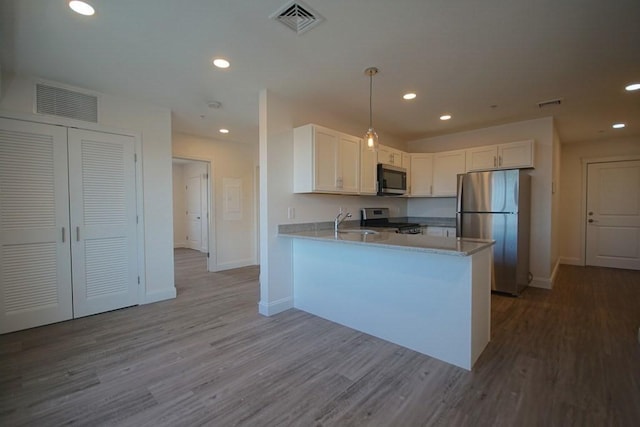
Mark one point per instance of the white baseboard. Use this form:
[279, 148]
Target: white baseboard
[161, 295]
[178, 245]
[571, 261]
[554, 273]
[275, 307]
[543, 283]
[230, 265]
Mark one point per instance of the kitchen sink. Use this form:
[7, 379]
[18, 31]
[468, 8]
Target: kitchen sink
[358, 231]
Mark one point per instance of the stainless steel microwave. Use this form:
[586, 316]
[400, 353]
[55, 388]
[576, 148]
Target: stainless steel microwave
[392, 180]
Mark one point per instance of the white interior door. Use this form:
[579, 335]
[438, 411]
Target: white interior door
[613, 214]
[194, 212]
[35, 261]
[103, 221]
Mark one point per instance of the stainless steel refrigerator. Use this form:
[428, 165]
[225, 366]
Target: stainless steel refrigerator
[496, 205]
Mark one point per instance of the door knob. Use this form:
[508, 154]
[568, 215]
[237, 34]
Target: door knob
[592, 220]
[590, 213]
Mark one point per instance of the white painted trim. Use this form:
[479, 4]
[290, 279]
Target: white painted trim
[571, 261]
[542, 283]
[161, 295]
[212, 248]
[269, 309]
[554, 273]
[583, 198]
[235, 264]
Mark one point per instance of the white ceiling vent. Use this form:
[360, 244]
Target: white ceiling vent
[297, 16]
[57, 101]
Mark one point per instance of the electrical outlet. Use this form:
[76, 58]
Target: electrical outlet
[291, 213]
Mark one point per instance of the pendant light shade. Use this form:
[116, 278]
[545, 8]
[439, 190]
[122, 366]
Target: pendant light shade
[371, 137]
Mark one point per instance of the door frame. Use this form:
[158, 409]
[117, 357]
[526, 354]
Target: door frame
[212, 258]
[583, 198]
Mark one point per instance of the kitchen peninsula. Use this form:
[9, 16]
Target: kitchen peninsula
[429, 294]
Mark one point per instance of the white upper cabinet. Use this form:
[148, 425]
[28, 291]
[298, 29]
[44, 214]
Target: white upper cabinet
[421, 174]
[348, 164]
[325, 161]
[446, 167]
[512, 155]
[368, 170]
[390, 156]
[406, 163]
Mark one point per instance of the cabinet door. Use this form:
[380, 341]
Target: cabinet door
[35, 259]
[349, 164]
[368, 170]
[516, 155]
[482, 158]
[421, 174]
[446, 166]
[325, 162]
[450, 232]
[103, 221]
[435, 231]
[385, 155]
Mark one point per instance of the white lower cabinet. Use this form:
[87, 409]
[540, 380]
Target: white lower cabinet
[68, 240]
[440, 231]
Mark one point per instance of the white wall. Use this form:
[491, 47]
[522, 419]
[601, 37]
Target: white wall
[573, 185]
[443, 207]
[232, 241]
[276, 196]
[542, 131]
[179, 207]
[154, 125]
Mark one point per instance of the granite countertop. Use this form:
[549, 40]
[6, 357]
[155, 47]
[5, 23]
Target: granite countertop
[408, 242]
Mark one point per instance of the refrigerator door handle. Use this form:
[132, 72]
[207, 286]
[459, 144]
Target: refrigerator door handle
[459, 201]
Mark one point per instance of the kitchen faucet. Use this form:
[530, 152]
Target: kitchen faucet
[339, 219]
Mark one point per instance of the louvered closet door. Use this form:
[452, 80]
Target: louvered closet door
[103, 221]
[35, 259]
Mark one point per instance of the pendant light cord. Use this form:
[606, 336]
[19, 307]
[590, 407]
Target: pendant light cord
[370, 101]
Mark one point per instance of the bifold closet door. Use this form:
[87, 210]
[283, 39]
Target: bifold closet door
[35, 259]
[103, 221]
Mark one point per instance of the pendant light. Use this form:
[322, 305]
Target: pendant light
[371, 137]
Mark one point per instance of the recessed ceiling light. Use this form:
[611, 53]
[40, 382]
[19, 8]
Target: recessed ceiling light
[221, 63]
[632, 87]
[618, 126]
[224, 130]
[81, 7]
[445, 117]
[409, 96]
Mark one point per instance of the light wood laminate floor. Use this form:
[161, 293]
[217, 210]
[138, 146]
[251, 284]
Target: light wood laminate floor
[566, 357]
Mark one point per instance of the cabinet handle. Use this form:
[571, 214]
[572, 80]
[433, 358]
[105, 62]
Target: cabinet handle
[431, 189]
[495, 161]
[63, 234]
[499, 160]
[77, 234]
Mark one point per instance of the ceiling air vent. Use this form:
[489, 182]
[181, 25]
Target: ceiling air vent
[297, 16]
[549, 103]
[57, 101]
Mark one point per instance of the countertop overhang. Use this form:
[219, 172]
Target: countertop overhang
[407, 242]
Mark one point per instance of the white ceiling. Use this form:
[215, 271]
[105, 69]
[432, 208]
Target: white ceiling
[460, 56]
